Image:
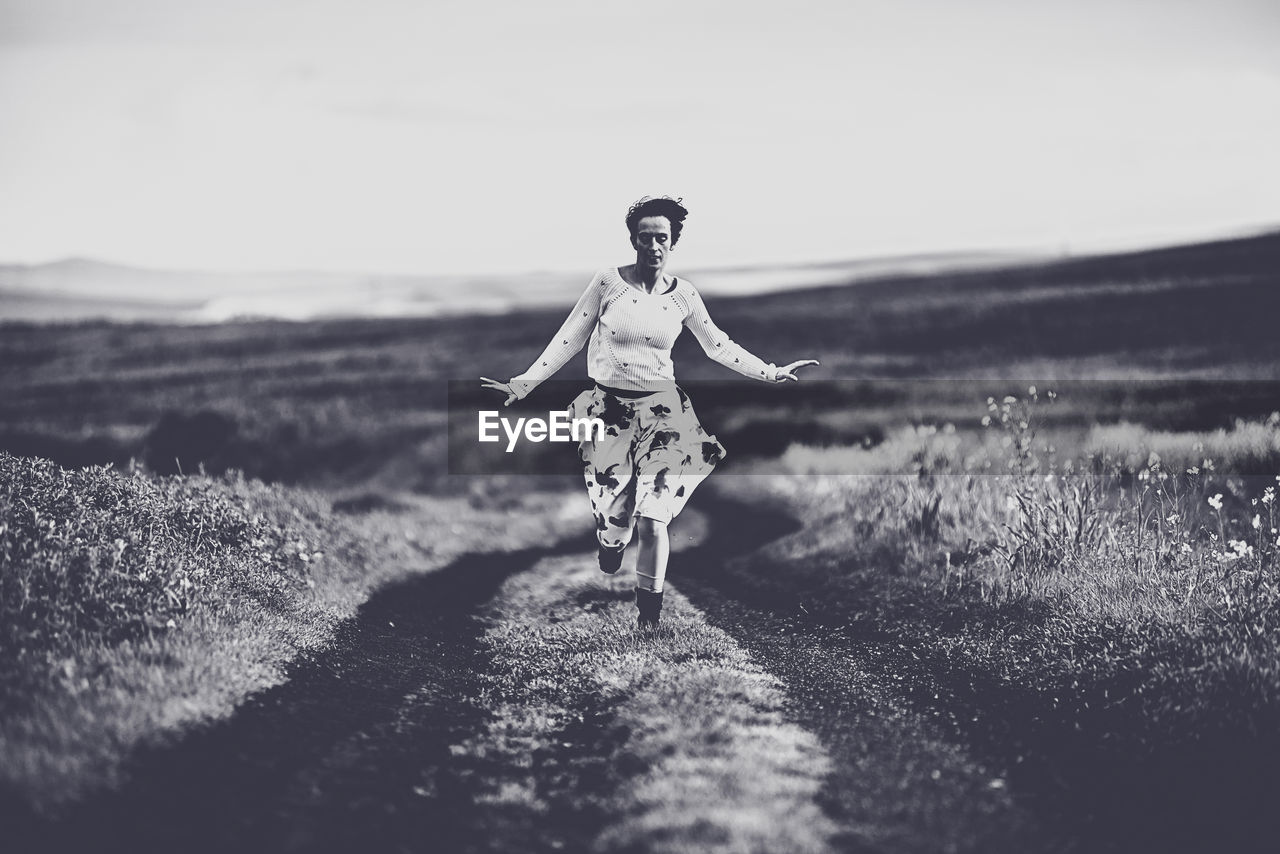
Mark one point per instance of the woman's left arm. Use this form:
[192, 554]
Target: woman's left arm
[721, 348]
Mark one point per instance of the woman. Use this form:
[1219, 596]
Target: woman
[654, 451]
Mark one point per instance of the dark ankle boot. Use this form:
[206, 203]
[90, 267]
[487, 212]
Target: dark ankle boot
[610, 559]
[649, 604]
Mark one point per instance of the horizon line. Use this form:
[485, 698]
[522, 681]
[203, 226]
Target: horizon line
[1061, 251]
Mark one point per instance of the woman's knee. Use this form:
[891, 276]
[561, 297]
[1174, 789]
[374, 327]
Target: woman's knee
[649, 529]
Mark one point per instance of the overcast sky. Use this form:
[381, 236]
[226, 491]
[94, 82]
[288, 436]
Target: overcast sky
[429, 136]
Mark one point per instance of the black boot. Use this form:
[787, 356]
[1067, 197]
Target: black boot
[649, 604]
[610, 559]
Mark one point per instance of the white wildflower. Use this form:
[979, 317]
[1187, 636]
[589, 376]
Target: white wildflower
[1241, 549]
[1216, 501]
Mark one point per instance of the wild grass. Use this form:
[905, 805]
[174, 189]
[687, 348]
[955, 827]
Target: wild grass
[97, 558]
[134, 607]
[94, 556]
[1071, 573]
[1248, 448]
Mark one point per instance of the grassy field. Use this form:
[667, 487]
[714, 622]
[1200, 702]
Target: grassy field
[134, 606]
[1112, 638]
[341, 404]
[1094, 576]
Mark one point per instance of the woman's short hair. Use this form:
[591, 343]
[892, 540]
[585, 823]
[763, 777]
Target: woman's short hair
[666, 206]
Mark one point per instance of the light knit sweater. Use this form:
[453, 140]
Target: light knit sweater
[631, 334]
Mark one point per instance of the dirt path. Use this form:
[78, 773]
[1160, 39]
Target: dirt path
[356, 750]
[902, 781]
[352, 753]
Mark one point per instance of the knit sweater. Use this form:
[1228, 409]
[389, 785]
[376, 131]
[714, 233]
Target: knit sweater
[631, 334]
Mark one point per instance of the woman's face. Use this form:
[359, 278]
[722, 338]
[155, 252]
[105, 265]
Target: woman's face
[652, 241]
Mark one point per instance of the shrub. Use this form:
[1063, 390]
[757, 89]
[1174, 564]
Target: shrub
[96, 554]
[1249, 448]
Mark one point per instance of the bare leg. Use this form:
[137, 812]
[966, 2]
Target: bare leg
[651, 559]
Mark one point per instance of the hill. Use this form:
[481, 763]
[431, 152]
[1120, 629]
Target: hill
[347, 400]
[80, 289]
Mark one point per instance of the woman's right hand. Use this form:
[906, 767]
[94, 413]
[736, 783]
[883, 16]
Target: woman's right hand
[788, 372]
[505, 388]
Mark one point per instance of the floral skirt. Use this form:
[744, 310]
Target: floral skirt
[653, 453]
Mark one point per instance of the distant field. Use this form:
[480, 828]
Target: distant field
[345, 403]
[78, 289]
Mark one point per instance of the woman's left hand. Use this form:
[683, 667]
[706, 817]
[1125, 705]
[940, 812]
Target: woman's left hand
[788, 372]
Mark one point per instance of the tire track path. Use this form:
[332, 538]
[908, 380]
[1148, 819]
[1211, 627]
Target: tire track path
[355, 750]
[351, 753]
[932, 755]
[903, 780]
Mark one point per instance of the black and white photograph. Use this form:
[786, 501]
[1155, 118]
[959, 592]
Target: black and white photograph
[653, 427]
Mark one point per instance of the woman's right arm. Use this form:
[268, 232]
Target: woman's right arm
[573, 334]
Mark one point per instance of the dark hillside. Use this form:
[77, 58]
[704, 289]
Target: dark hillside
[349, 400]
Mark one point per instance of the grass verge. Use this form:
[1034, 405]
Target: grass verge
[135, 607]
[1114, 636]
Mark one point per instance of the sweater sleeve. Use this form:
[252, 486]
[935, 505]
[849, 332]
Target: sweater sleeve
[721, 348]
[573, 333]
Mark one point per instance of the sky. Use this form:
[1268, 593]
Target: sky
[432, 136]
